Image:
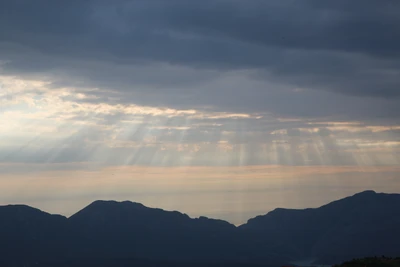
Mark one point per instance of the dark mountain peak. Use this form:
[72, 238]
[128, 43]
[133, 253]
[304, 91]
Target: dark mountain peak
[113, 204]
[203, 218]
[279, 210]
[109, 205]
[23, 211]
[20, 207]
[366, 192]
[358, 219]
[129, 211]
[359, 200]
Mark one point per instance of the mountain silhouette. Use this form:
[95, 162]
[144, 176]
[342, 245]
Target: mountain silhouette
[29, 234]
[365, 224]
[131, 229]
[128, 233]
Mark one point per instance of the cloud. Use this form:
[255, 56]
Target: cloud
[220, 82]
[43, 125]
[178, 52]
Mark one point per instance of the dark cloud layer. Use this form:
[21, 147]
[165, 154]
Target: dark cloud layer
[229, 54]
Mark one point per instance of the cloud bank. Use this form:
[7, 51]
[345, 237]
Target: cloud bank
[220, 82]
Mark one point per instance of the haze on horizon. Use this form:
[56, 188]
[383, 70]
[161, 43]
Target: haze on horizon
[222, 108]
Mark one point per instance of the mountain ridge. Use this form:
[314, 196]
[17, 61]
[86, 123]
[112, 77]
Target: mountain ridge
[369, 192]
[355, 226]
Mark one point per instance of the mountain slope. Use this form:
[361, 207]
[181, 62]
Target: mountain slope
[28, 233]
[361, 225]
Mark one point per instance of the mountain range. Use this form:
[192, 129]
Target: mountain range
[130, 234]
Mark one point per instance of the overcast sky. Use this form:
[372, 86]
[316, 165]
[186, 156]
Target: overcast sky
[165, 89]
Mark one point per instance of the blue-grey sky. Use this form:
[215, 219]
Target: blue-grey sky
[155, 86]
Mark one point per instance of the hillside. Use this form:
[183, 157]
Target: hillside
[361, 225]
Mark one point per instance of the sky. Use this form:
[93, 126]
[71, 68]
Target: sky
[222, 108]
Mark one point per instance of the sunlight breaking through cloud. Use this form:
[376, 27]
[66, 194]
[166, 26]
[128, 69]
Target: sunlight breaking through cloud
[42, 124]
